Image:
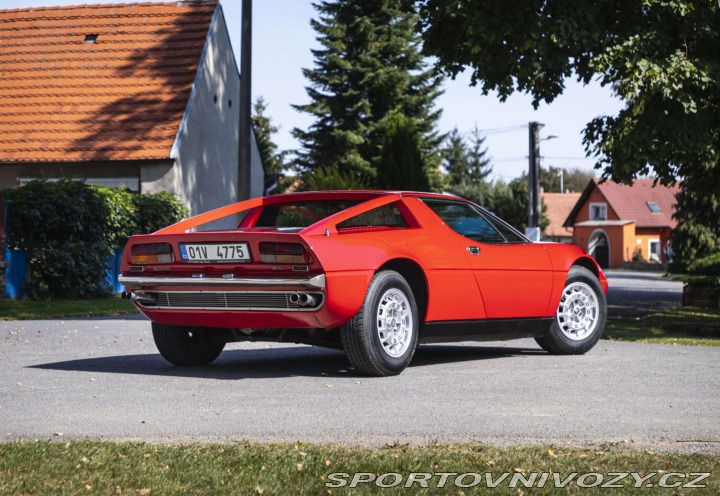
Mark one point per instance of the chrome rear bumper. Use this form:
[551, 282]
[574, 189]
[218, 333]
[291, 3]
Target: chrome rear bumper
[133, 281]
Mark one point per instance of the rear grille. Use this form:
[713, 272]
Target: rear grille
[236, 300]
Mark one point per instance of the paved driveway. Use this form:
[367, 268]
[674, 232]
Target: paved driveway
[634, 293]
[102, 378]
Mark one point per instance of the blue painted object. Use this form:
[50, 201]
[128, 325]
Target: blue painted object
[113, 271]
[17, 273]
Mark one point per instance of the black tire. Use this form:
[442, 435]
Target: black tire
[367, 352]
[185, 346]
[581, 283]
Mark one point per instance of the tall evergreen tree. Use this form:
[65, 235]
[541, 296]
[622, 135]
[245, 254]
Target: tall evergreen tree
[273, 160]
[401, 162]
[468, 166]
[455, 157]
[369, 66]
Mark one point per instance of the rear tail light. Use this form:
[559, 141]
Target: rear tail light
[283, 253]
[160, 253]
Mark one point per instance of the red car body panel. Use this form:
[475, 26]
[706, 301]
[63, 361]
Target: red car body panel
[500, 281]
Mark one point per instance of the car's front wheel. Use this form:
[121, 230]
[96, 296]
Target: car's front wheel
[381, 339]
[185, 346]
[580, 318]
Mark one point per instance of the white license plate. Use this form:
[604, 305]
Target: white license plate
[215, 252]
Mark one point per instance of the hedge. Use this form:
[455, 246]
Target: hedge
[70, 229]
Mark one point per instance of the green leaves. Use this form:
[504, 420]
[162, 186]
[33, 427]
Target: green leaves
[70, 230]
[662, 57]
[369, 67]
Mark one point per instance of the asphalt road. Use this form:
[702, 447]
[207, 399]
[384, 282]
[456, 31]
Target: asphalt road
[637, 293]
[102, 378]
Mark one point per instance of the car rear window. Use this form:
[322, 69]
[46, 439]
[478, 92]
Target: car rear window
[301, 214]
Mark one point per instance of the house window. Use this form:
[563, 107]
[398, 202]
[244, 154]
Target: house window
[654, 207]
[598, 211]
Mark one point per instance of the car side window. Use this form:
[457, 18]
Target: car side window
[385, 216]
[464, 219]
[508, 232]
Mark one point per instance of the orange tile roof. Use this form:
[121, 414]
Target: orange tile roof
[559, 206]
[631, 202]
[120, 98]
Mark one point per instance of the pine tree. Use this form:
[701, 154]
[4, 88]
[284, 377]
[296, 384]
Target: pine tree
[272, 159]
[368, 67]
[401, 163]
[455, 157]
[468, 167]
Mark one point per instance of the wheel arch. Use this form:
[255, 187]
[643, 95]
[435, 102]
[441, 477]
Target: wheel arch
[589, 264]
[415, 277]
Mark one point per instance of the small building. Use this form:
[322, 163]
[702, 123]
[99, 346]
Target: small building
[616, 223]
[142, 95]
[558, 207]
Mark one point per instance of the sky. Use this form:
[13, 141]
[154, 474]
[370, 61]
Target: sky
[282, 43]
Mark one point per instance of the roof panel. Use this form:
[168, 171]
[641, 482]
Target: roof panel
[120, 98]
[630, 202]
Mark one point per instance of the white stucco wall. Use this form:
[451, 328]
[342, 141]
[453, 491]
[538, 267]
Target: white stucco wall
[206, 150]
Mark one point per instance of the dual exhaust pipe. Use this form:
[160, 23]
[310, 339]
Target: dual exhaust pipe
[302, 299]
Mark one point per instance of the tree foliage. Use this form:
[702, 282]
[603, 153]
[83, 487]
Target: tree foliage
[698, 232]
[368, 67]
[326, 178]
[468, 166]
[661, 57]
[273, 160]
[574, 180]
[509, 201]
[402, 166]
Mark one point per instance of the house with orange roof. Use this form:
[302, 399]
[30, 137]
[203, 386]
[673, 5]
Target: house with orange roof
[142, 95]
[558, 207]
[617, 223]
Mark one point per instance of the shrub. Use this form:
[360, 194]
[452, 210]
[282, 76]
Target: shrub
[157, 210]
[62, 227]
[70, 229]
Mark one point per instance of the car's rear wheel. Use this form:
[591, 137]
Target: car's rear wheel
[580, 318]
[185, 346]
[381, 339]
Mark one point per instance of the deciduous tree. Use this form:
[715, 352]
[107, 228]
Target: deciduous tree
[661, 57]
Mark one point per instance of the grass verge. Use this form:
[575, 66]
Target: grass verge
[58, 309]
[686, 326]
[105, 468]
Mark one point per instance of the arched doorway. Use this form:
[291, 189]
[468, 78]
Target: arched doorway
[599, 248]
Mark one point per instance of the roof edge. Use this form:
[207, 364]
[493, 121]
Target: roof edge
[193, 91]
[570, 221]
[96, 6]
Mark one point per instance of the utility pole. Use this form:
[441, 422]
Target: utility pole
[244, 125]
[534, 175]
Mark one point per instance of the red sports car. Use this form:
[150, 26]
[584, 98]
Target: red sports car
[371, 272]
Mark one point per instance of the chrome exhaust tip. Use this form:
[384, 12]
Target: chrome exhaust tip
[140, 298]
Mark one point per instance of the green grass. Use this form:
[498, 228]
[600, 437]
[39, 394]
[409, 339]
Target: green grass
[106, 468]
[58, 309]
[687, 326]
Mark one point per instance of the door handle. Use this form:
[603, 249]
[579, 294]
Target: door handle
[474, 250]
